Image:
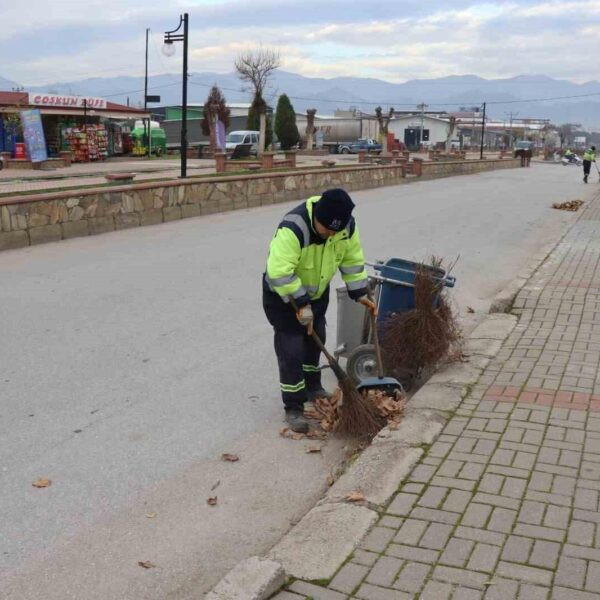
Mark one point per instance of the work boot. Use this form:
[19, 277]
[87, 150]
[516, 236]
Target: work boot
[312, 395]
[585, 178]
[296, 420]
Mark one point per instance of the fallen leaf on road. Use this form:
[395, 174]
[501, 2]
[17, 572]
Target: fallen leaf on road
[330, 480]
[286, 432]
[42, 482]
[215, 486]
[150, 515]
[355, 497]
[571, 205]
[212, 501]
[316, 434]
[146, 564]
[470, 310]
[313, 449]
[230, 457]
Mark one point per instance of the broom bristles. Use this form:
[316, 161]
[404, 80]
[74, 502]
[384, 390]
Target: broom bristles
[357, 415]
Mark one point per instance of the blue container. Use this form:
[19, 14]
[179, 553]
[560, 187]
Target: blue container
[398, 293]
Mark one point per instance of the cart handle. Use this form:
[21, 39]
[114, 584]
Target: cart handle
[447, 280]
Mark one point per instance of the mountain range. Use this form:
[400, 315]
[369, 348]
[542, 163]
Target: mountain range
[524, 95]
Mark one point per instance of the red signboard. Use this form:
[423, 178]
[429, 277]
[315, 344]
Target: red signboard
[50, 100]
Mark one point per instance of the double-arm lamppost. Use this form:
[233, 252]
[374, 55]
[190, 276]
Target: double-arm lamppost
[169, 50]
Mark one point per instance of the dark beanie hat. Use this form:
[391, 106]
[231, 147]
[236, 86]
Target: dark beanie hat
[333, 209]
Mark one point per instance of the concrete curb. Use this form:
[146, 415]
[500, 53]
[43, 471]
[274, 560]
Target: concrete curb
[503, 301]
[321, 542]
[252, 579]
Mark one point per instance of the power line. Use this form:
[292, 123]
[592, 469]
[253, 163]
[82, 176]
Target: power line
[392, 103]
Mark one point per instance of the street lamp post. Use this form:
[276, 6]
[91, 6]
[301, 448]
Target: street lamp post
[169, 50]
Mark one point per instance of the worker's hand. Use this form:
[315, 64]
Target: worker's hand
[369, 304]
[306, 318]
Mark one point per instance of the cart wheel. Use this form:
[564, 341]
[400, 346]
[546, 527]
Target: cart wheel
[362, 362]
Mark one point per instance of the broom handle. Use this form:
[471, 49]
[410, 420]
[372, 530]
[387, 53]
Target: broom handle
[375, 336]
[334, 364]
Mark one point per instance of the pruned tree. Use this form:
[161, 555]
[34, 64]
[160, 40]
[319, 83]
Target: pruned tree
[256, 67]
[451, 128]
[253, 122]
[285, 123]
[384, 121]
[215, 109]
[310, 127]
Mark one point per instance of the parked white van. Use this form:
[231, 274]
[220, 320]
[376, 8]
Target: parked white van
[242, 137]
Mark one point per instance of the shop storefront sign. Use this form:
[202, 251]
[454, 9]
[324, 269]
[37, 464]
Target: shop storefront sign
[33, 134]
[66, 101]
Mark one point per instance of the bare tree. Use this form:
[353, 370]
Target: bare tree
[256, 67]
[384, 121]
[310, 127]
[565, 133]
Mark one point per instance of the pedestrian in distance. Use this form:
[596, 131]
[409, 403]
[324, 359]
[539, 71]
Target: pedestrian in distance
[312, 242]
[589, 156]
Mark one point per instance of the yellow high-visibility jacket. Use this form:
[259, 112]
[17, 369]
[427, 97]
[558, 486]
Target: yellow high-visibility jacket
[301, 264]
[589, 155]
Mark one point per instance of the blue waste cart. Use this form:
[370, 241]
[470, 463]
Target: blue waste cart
[393, 285]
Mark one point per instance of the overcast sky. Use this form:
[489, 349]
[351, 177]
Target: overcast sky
[394, 40]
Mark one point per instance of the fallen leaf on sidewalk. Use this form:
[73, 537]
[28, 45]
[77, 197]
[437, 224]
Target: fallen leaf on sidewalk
[470, 310]
[313, 449]
[230, 457]
[42, 482]
[146, 564]
[212, 501]
[150, 515]
[355, 497]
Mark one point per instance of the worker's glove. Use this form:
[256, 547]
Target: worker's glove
[369, 304]
[306, 318]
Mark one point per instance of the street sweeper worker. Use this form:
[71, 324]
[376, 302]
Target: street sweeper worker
[589, 156]
[313, 241]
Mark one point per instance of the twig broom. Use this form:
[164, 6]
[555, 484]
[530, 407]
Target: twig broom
[357, 415]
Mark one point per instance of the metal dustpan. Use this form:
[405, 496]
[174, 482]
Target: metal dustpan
[389, 385]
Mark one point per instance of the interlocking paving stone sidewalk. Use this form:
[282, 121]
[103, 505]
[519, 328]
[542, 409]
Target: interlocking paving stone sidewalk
[505, 503]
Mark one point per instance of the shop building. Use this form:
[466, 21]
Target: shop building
[89, 128]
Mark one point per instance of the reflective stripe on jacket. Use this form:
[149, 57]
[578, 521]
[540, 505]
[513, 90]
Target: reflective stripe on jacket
[301, 264]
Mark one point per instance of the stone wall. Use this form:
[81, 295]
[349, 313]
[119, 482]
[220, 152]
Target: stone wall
[39, 218]
[442, 168]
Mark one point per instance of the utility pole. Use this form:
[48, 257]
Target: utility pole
[511, 115]
[422, 108]
[482, 133]
[146, 135]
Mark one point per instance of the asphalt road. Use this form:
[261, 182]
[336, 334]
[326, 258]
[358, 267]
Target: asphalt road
[130, 361]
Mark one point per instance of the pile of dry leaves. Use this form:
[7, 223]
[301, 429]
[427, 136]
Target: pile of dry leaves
[327, 412]
[571, 205]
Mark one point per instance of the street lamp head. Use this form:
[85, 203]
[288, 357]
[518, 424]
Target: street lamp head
[168, 48]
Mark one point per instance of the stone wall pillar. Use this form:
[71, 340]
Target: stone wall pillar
[66, 156]
[362, 156]
[418, 167]
[220, 162]
[267, 160]
[290, 155]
